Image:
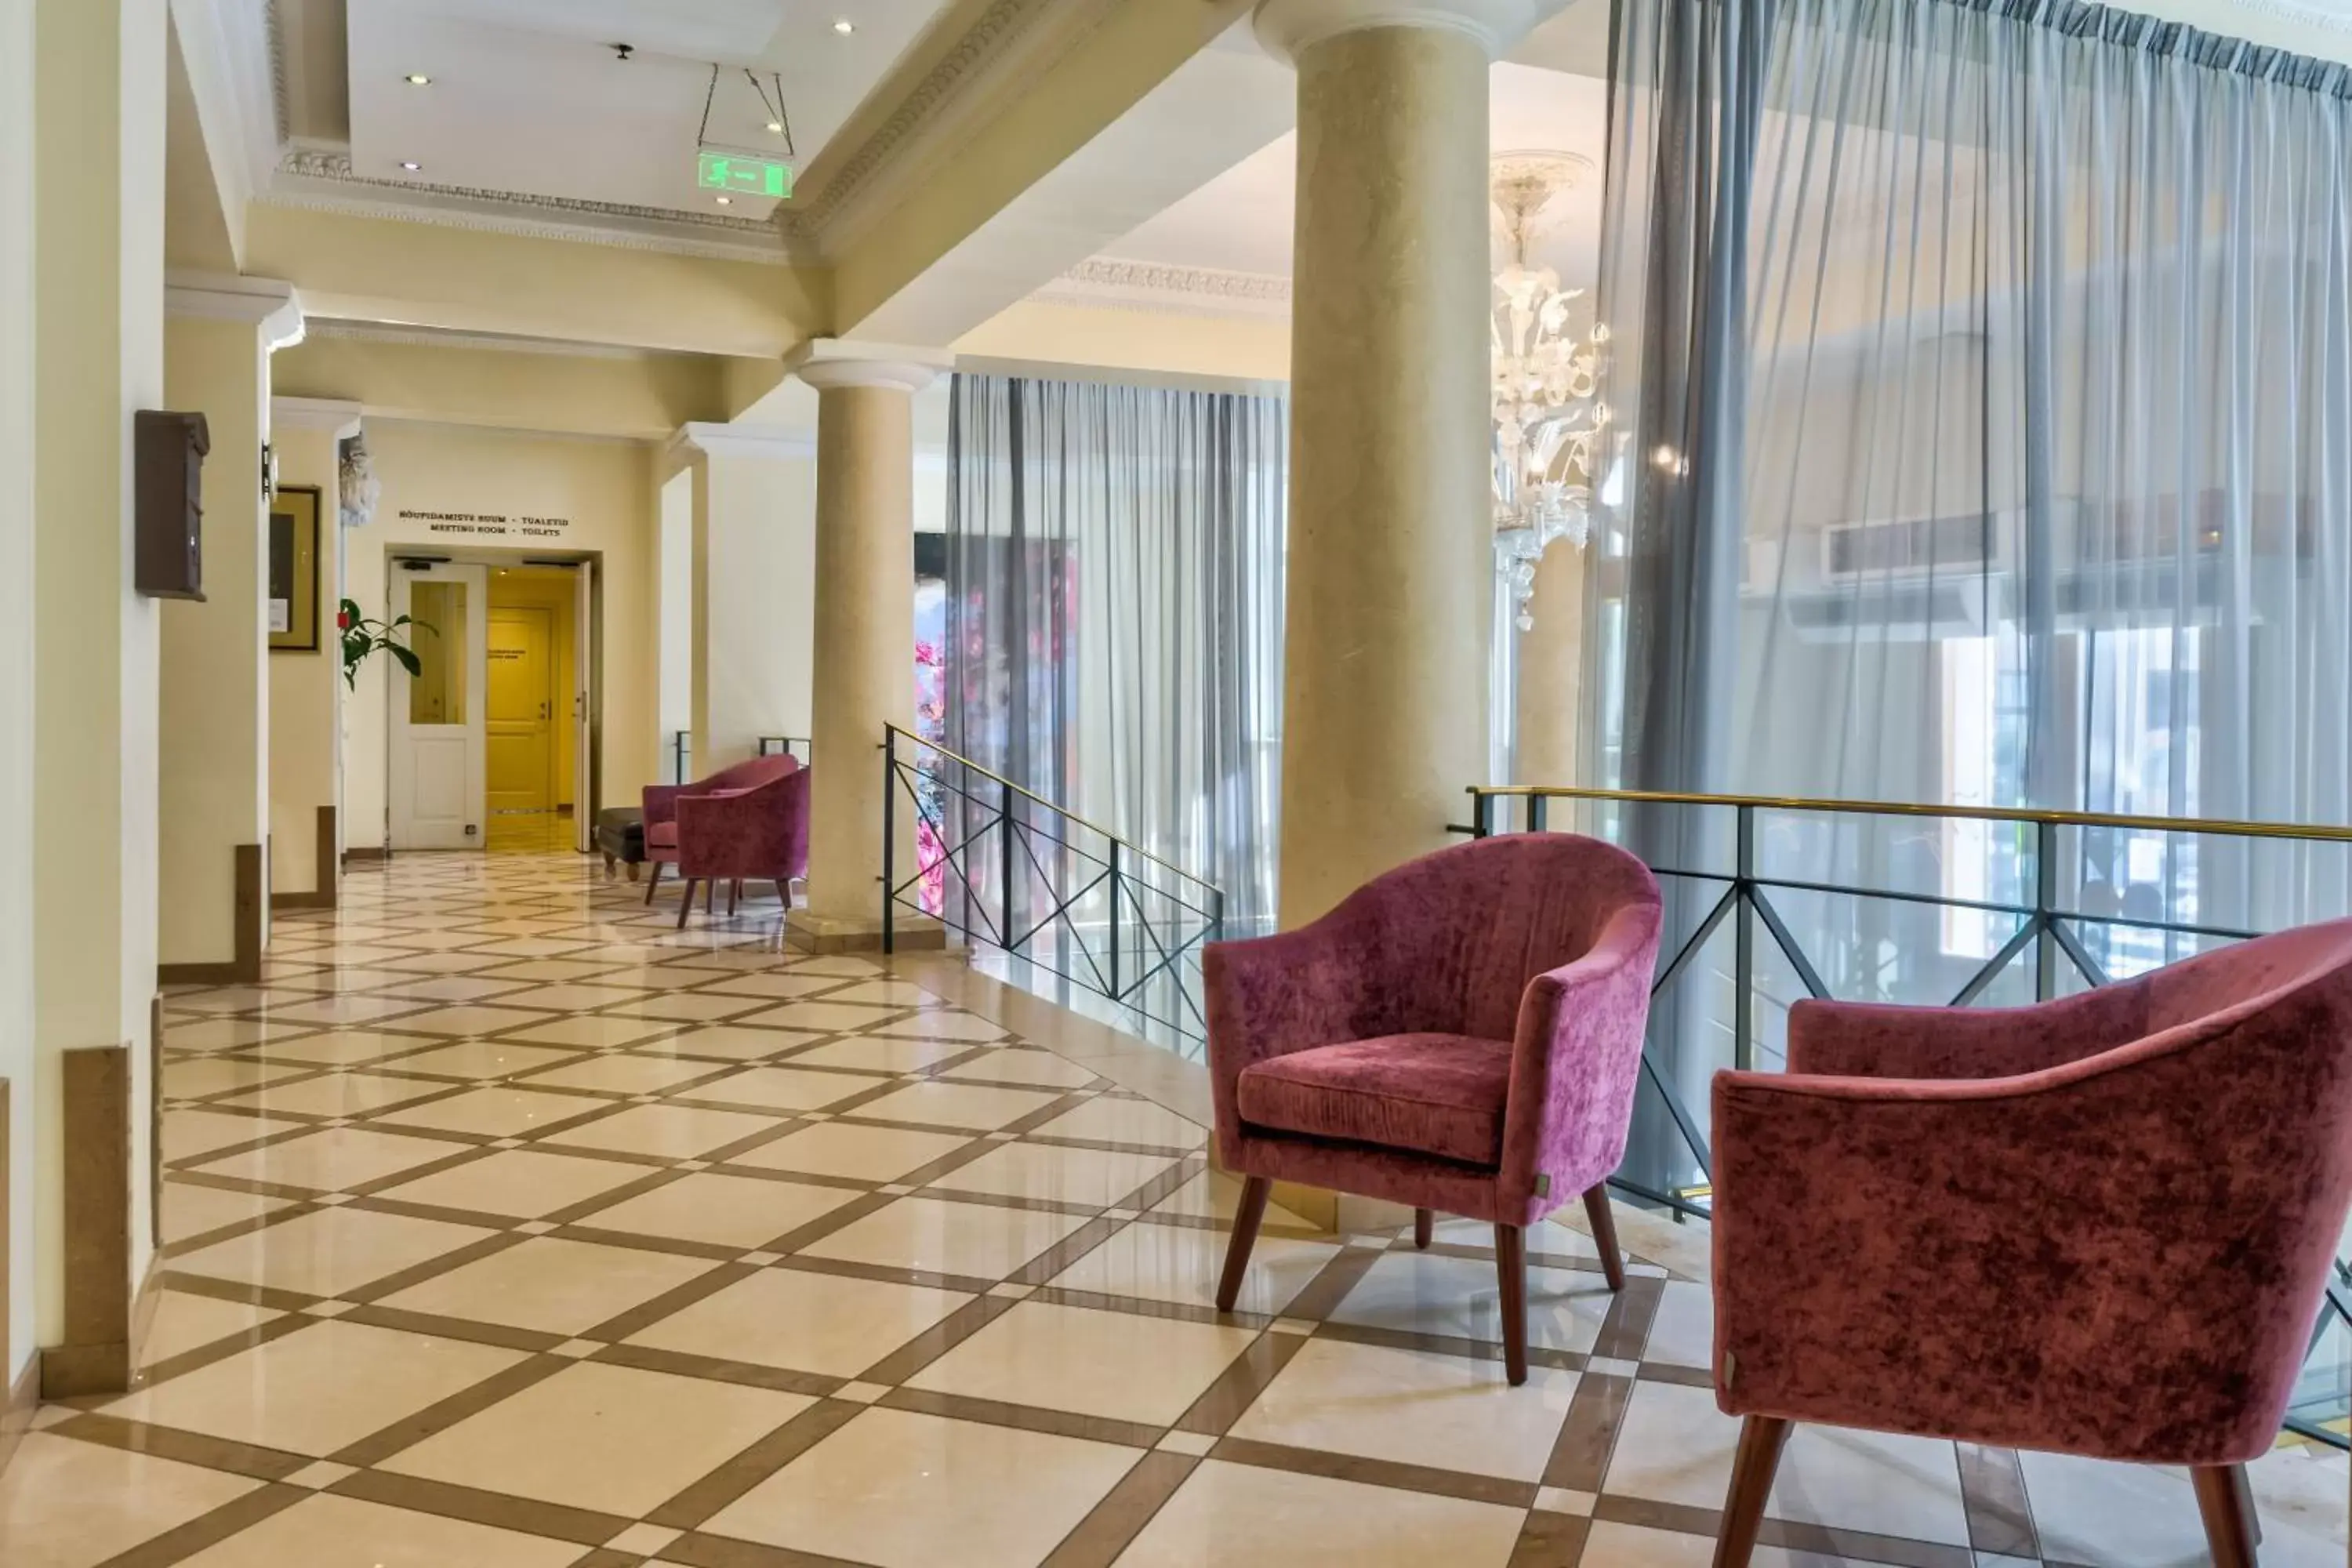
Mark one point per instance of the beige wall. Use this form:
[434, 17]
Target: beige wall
[305, 758]
[17, 735]
[610, 393]
[1049, 333]
[606, 488]
[753, 593]
[99, 282]
[214, 696]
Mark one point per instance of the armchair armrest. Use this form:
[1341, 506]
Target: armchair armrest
[740, 831]
[1271, 995]
[660, 801]
[2069, 1259]
[1575, 1063]
[1852, 1039]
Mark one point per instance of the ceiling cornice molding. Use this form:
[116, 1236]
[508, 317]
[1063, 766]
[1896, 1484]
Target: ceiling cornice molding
[274, 21]
[533, 218]
[330, 414]
[1106, 281]
[713, 438]
[264, 303]
[1006, 47]
[420, 337]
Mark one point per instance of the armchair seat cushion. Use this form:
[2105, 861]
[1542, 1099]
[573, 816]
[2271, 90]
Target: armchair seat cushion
[1434, 1094]
[661, 835]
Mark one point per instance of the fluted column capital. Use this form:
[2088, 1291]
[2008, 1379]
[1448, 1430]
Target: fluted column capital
[1289, 27]
[828, 362]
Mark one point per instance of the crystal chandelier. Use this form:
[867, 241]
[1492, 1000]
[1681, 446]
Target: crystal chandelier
[1548, 419]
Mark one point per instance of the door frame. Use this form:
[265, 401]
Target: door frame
[467, 830]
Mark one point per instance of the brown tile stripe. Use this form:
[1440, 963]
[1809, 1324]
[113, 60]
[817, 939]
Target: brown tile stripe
[711, 1369]
[1626, 1330]
[1667, 1372]
[494, 1509]
[723, 1552]
[1112, 1524]
[1992, 1490]
[1812, 1540]
[1426, 1478]
[1025, 1417]
[1579, 1454]
[209, 1530]
[1143, 1306]
[721, 1487]
[439, 1416]
[1550, 1541]
[936, 1340]
[1065, 1252]
[505, 1336]
[1223, 1402]
[1444, 1344]
[203, 1355]
[433, 1268]
[186, 1447]
[1323, 1294]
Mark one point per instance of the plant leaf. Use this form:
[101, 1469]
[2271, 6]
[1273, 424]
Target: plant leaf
[408, 659]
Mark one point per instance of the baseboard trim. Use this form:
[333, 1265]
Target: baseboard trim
[197, 975]
[94, 1356]
[326, 870]
[365, 852]
[23, 1398]
[70, 1371]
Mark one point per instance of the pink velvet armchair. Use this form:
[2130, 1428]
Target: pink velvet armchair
[1461, 1034]
[737, 836]
[2101, 1226]
[660, 805]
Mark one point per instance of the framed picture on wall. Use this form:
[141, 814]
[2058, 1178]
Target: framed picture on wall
[294, 569]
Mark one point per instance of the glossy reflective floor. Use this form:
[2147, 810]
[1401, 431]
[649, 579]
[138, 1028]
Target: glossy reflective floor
[508, 1226]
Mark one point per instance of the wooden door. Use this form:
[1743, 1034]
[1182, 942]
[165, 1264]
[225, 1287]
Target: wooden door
[522, 715]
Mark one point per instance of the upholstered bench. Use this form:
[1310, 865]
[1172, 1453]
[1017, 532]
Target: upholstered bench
[620, 834]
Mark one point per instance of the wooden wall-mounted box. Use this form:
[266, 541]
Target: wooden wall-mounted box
[168, 512]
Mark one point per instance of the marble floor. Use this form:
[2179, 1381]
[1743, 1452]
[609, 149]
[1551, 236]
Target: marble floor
[507, 1227]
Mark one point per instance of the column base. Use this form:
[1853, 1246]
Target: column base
[807, 932]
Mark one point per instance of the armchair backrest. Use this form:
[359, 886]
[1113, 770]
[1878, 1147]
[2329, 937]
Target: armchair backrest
[748, 774]
[1472, 925]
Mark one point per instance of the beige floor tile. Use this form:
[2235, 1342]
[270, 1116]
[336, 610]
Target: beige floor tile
[191, 1210]
[803, 1320]
[507, 1111]
[945, 1024]
[327, 1252]
[934, 1104]
[1173, 1263]
[728, 1043]
[1116, 1365]
[889, 994]
[878, 1053]
[1042, 1069]
[1683, 1330]
[333, 1159]
[554, 971]
[211, 1034]
[2124, 1516]
[625, 1073]
[554, 1286]
[318, 1389]
[675, 1007]
[863, 1153]
[587, 1032]
[672, 1131]
[570, 998]
[485, 1059]
[521, 1182]
[1107, 1121]
[782, 1089]
[354, 1009]
[185, 1323]
[975, 1239]
[469, 1022]
[329, 1531]
[1414, 1409]
[346, 1047]
[1094, 1177]
[726, 1211]
[825, 1017]
[1422, 1292]
[337, 1094]
[1212, 1195]
[69, 1504]
[193, 1077]
[188, 1133]
[890, 1486]
[1240, 1513]
[772, 984]
[607, 1437]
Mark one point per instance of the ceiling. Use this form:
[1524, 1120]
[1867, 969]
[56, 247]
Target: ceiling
[1240, 221]
[530, 98]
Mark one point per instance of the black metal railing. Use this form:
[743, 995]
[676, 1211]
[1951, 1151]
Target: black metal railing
[681, 756]
[1068, 901]
[796, 746]
[2067, 885]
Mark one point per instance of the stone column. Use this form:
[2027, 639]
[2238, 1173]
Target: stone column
[1551, 676]
[752, 587]
[1390, 572]
[214, 743]
[863, 652]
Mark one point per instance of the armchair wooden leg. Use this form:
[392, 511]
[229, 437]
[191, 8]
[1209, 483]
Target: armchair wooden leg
[1597, 1213]
[785, 894]
[610, 860]
[734, 892]
[686, 904]
[2228, 1505]
[1761, 1438]
[653, 880]
[1424, 1223]
[632, 865]
[1237, 1251]
[1511, 1269]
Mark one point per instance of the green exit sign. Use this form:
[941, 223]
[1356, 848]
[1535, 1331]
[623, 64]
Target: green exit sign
[745, 175]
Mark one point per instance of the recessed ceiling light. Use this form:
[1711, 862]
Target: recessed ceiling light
[842, 25]
[775, 128]
[418, 79]
[727, 201]
[411, 165]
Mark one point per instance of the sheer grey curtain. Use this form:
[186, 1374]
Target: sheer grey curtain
[1114, 612]
[1991, 410]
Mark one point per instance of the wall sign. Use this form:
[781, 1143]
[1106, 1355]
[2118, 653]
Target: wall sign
[488, 524]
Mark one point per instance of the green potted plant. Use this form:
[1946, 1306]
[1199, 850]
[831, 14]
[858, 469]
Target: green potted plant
[363, 636]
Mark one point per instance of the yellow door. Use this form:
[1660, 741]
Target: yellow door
[521, 762]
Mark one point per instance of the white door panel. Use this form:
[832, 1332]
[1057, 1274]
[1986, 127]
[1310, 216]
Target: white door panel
[437, 741]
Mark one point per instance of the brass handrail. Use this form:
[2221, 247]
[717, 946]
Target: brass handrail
[2315, 832]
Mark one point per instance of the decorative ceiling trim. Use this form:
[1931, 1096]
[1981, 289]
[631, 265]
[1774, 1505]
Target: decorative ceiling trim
[1110, 281]
[280, 94]
[432, 338]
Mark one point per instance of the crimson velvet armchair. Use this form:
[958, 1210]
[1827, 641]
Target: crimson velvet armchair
[1461, 1034]
[660, 803]
[737, 836]
[2100, 1227]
